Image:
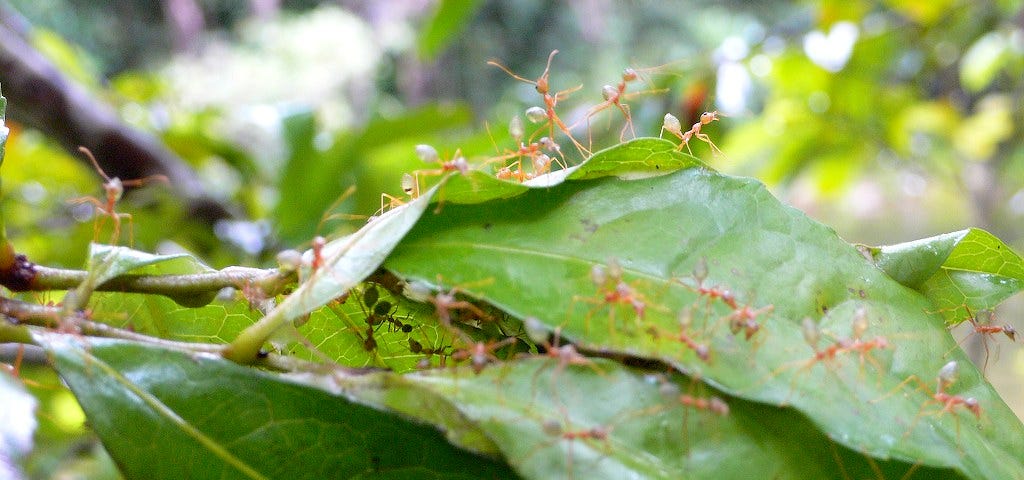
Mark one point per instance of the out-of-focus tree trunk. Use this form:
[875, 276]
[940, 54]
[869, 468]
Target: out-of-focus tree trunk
[186, 24]
[39, 96]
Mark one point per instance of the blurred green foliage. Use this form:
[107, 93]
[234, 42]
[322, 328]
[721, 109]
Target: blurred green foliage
[890, 121]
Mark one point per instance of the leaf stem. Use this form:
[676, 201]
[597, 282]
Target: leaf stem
[179, 288]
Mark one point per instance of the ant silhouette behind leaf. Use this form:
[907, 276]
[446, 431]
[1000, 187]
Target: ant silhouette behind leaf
[113, 189]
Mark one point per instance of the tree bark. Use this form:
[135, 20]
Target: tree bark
[39, 96]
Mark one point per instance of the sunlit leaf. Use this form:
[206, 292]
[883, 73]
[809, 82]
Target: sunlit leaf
[969, 269]
[549, 422]
[533, 256]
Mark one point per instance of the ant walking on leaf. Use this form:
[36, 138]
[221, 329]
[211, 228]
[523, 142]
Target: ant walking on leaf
[987, 330]
[615, 96]
[612, 292]
[547, 114]
[946, 378]
[114, 190]
[534, 151]
[671, 125]
[843, 346]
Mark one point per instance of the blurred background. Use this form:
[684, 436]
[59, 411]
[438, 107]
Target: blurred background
[889, 121]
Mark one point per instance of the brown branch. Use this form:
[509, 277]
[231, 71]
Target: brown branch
[39, 96]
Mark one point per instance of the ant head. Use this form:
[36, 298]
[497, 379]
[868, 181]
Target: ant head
[972, 404]
[628, 75]
[708, 117]
[542, 82]
[1010, 332]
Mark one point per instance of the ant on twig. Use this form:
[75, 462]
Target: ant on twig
[114, 190]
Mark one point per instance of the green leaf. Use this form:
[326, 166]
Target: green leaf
[344, 263]
[218, 321]
[141, 401]
[450, 18]
[108, 261]
[969, 269]
[531, 406]
[533, 255]
[983, 60]
[636, 159]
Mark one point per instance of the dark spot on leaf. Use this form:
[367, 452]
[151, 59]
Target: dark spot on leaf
[488, 225]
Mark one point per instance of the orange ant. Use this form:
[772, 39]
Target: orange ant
[555, 429]
[745, 319]
[547, 114]
[612, 291]
[700, 274]
[946, 378]
[613, 96]
[671, 124]
[711, 404]
[987, 330]
[702, 351]
[114, 190]
[480, 354]
[812, 335]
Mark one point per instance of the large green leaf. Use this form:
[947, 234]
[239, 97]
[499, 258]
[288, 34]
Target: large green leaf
[956, 271]
[532, 409]
[342, 264]
[142, 402]
[532, 256]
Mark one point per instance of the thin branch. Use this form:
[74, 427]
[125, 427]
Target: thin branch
[270, 281]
